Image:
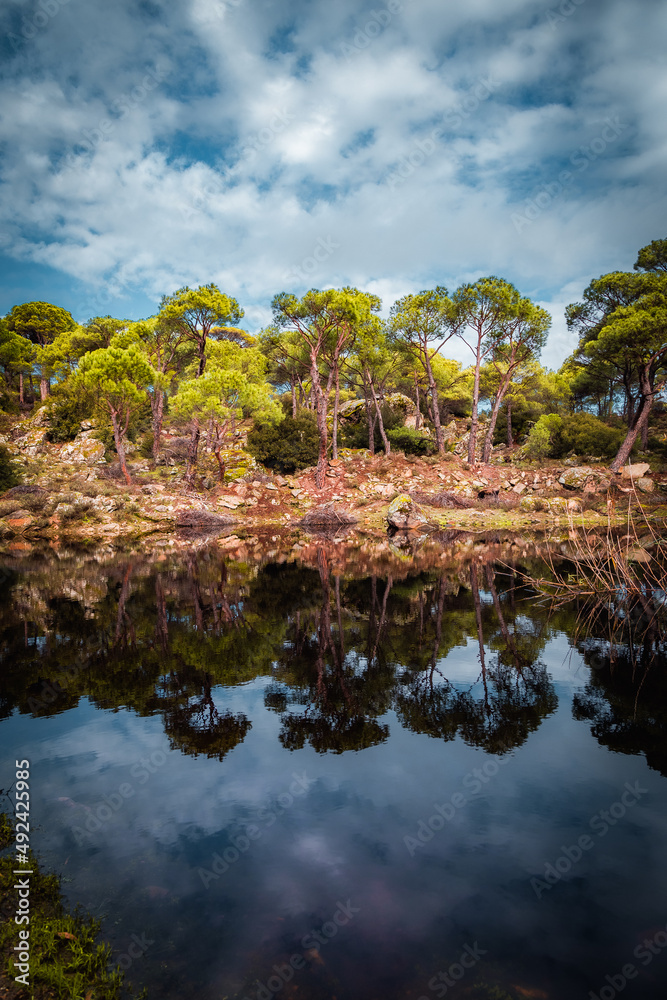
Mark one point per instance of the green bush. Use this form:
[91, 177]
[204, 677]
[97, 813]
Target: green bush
[582, 433]
[542, 436]
[292, 444]
[66, 410]
[585, 434]
[411, 442]
[9, 473]
[355, 435]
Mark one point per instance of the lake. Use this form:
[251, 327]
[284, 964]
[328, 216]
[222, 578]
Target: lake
[333, 767]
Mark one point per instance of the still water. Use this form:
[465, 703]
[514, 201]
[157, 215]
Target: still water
[340, 770]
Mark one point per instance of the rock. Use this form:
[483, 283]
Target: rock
[636, 471]
[32, 443]
[404, 513]
[84, 448]
[644, 484]
[88, 425]
[575, 479]
[20, 520]
[519, 488]
[230, 502]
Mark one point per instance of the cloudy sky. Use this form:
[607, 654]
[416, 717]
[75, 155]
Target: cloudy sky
[271, 146]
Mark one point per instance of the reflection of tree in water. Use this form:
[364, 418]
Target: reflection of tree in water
[345, 691]
[515, 692]
[625, 700]
[342, 651]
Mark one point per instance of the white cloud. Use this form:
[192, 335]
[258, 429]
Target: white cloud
[265, 136]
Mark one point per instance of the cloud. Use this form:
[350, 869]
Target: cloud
[148, 145]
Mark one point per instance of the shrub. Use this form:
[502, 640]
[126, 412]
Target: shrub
[292, 444]
[587, 435]
[66, 410]
[540, 441]
[411, 442]
[355, 435]
[9, 473]
[582, 433]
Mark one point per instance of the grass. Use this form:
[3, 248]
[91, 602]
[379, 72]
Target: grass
[67, 961]
[618, 581]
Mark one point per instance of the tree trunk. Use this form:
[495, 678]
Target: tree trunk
[43, 389]
[201, 351]
[418, 415]
[641, 420]
[510, 438]
[193, 450]
[293, 388]
[436, 407]
[383, 434]
[120, 446]
[321, 404]
[371, 424]
[474, 419]
[334, 430]
[488, 441]
[644, 434]
[157, 407]
[217, 448]
[21, 399]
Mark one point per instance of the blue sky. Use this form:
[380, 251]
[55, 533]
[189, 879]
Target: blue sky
[271, 146]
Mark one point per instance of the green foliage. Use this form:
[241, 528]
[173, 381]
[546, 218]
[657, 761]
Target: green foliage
[587, 435]
[411, 442]
[287, 446]
[582, 433]
[9, 474]
[66, 959]
[67, 407]
[355, 435]
[541, 439]
[39, 322]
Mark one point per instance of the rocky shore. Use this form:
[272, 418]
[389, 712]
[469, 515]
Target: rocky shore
[71, 494]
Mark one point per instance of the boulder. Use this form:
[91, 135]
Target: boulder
[636, 471]
[575, 478]
[404, 513]
[84, 448]
[644, 484]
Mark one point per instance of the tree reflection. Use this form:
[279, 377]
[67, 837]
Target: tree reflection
[343, 645]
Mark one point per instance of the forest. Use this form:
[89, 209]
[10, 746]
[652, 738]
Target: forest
[330, 372]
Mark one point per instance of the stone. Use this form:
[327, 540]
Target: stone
[575, 478]
[644, 484]
[404, 513]
[519, 488]
[84, 448]
[230, 502]
[636, 471]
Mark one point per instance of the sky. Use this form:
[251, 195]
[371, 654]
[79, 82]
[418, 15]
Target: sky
[279, 146]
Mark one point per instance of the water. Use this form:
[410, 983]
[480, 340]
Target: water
[339, 770]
